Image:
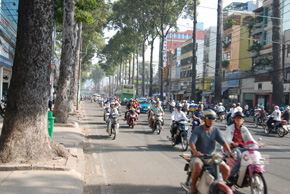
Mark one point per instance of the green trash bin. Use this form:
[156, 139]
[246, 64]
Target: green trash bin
[50, 123]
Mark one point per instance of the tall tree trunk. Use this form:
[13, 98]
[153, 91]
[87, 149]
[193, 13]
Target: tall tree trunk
[219, 52]
[24, 135]
[143, 67]
[67, 61]
[277, 81]
[133, 72]
[151, 67]
[193, 67]
[130, 71]
[77, 61]
[75, 74]
[137, 74]
[120, 77]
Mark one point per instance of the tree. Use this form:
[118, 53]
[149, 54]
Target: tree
[60, 111]
[24, 135]
[277, 82]
[218, 65]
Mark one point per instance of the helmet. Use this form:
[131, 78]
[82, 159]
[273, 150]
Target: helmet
[239, 114]
[209, 114]
[153, 101]
[220, 104]
[112, 103]
[238, 104]
[200, 106]
[262, 107]
[276, 107]
[281, 108]
[179, 105]
[131, 100]
[287, 106]
[192, 101]
[234, 105]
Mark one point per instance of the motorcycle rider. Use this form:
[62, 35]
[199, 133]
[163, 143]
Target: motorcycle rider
[177, 116]
[130, 106]
[157, 108]
[231, 113]
[172, 105]
[220, 109]
[111, 111]
[197, 116]
[236, 135]
[203, 140]
[262, 114]
[276, 114]
[286, 115]
[185, 107]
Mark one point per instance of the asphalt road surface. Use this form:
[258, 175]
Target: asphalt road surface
[139, 161]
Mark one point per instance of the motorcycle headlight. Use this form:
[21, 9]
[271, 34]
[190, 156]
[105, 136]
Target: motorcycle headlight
[217, 159]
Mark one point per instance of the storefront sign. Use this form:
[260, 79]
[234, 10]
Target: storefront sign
[234, 91]
[6, 62]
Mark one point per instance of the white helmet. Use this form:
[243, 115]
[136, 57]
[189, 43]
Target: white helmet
[112, 103]
[220, 104]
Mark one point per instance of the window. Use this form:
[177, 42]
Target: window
[176, 35]
[168, 35]
[181, 36]
[228, 56]
[189, 36]
[288, 51]
[259, 86]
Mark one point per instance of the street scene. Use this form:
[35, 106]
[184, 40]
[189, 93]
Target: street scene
[144, 96]
[140, 161]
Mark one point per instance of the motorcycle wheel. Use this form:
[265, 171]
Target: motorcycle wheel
[267, 130]
[184, 142]
[158, 128]
[113, 133]
[258, 183]
[221, 119]
[132, 122]
[280, 131]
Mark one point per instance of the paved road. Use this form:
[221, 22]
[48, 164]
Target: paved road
[140, 161]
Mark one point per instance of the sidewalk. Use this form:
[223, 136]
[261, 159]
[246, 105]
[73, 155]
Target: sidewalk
[59, 177]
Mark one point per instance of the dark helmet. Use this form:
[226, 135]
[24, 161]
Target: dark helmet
[239, 114]
[178, 105]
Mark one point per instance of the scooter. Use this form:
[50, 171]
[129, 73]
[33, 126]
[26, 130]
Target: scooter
[132, 117]
[113, 126]
[181, 135]
[280, 127]
[221, 116]
[157, 123]
[210, 180]
[260, 122]
[106, 108]
[251, 170]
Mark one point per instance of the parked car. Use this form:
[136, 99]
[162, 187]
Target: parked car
[144, 105]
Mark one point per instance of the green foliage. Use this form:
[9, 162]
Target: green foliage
[226, 44]
[256, 47]
[226, 64]
[96, 74]
[263, 62]
[229, 24]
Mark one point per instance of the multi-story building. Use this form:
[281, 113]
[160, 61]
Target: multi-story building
[8, 29]
[210, 51]
[186, 63]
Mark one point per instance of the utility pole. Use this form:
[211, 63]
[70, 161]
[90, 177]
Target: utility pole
[219, 51]
[193, 74]
[277, 81]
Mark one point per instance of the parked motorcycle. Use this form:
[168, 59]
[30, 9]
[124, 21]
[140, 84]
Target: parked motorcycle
[280, 127]
[210, 180]
[132, 118]
[251, 169]
[181, 135]
[113, 126]
[157, 123]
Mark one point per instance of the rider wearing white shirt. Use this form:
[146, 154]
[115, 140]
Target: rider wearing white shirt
[177, 116]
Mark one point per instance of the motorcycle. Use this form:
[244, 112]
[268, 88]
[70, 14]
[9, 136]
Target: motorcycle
[113, 126]
[247, 113]
[221, 116]
[181, 135]
[280, 127]
[210, 180]
[196, 122]
[106, 108]
[251, 170]
[260, 122]
[157, 123]
[132, 118]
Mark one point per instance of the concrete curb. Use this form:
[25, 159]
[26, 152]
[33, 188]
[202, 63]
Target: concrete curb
[70, 124]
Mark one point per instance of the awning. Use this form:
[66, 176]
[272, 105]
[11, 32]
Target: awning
[181, 92]
[207, 93]
[224, 89]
